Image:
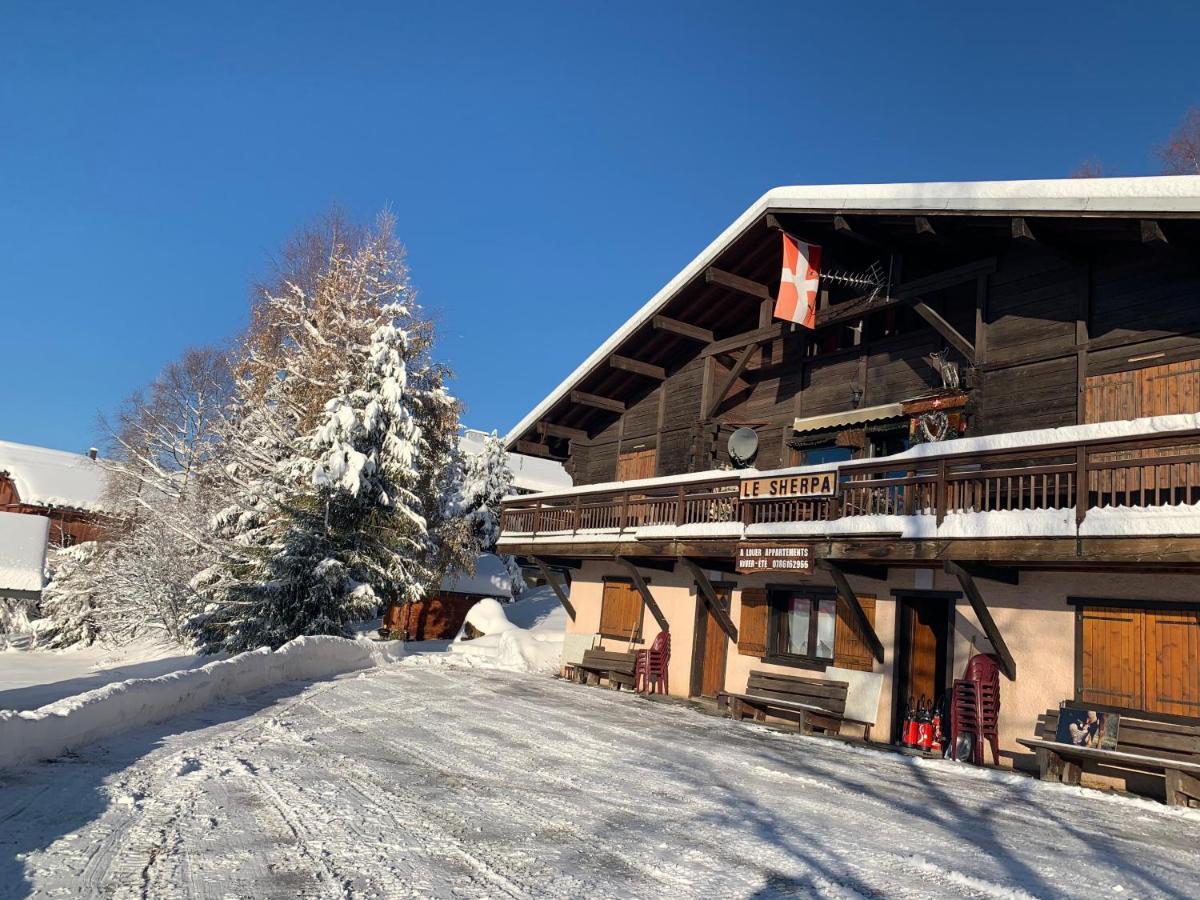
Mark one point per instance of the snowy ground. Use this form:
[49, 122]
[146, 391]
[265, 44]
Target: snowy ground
[33, 678]
[424, 780]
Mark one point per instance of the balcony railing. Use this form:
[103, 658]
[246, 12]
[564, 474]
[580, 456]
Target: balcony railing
[1145, 471]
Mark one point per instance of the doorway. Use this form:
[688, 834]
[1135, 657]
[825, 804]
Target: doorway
[924, 648]
[711, 646]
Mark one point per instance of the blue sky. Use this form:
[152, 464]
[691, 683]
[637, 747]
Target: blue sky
[550, 165]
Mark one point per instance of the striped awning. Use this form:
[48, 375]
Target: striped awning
[849, 417]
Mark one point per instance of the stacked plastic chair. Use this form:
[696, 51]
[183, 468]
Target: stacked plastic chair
[650, 666]
[975, 707]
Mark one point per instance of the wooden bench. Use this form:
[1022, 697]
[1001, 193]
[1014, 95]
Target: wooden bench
[1143, 745]
[617, 667]
[812, 703]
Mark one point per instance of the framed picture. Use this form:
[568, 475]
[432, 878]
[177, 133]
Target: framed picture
[1088, 728]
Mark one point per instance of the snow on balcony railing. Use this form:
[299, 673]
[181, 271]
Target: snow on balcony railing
[987, 486]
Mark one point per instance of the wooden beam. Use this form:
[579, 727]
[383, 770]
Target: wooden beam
[1007, 664]
[949, 278]
[710, 599]
[683, 329]
[531, 448]
[657, 565]
[772, 332]
[946, 330]
[555, 586]
[605, 403]
[713, 275]
[863, 569]
[857, 614]
[730, 377]
[562, 431]
[647, 598]
[1152, 232]
[1002, 574]
[561, 562]
[843, 227]
[637, 366]
[1021, 230]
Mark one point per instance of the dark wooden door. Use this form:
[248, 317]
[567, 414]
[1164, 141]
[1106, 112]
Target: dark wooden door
[708, 664]
[924, 650]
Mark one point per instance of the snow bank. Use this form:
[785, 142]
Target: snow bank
[505, 645]
[22, 551]
[77, 721]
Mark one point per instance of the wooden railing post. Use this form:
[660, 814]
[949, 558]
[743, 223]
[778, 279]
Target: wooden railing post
[1081, 484]
[680, 507]
[578, 513]
[537, 517]
[623, 520]
[939, 491]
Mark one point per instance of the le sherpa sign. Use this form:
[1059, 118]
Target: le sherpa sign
[794, 558]
[782, 487]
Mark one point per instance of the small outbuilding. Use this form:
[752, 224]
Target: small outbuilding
[440, 616]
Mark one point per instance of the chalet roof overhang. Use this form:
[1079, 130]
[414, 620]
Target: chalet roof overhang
[713, 297]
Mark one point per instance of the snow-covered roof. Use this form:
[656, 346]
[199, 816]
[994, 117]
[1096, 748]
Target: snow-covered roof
[490, 579]
[1153, 195]
[530, 473]
[45, 477]
[22, 551]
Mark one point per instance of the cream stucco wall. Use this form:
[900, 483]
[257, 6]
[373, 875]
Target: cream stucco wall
[1034, 617]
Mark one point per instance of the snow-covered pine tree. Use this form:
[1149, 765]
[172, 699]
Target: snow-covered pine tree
[488, 480]
[69, 600]
[342, 509]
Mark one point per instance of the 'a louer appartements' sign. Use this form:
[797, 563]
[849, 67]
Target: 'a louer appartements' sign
[779, 487]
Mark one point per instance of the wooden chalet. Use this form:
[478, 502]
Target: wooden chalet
[989, 443]
[48, 499]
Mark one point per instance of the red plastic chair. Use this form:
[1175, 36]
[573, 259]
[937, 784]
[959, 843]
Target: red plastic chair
[650, 666]
[975, 707]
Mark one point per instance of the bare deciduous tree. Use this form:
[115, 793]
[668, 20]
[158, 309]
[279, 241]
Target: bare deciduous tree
[1180, 155]
[1090, 168]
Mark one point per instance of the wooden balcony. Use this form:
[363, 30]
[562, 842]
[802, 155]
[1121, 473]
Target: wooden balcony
[1149, 470]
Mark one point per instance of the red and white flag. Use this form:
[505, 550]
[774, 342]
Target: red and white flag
[798, 282]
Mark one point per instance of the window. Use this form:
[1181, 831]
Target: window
[621, 610]
[1138, 657]
[804, 625]
[819, 456]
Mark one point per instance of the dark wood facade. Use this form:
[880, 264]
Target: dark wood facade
[1041, 313]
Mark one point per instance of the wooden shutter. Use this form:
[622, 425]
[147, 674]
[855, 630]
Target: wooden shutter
[1112, 657]
[1173, 661]
[1152, 391]
[850, 650]
[752, 629]
[637, 464]
[620, 610]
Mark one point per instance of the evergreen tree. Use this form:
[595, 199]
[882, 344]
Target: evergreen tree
[338, 510]
[488, 480]
[69, 601]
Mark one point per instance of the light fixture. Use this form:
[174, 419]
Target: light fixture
[856, 394]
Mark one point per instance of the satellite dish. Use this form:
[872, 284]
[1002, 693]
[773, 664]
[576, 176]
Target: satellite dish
[743, 448]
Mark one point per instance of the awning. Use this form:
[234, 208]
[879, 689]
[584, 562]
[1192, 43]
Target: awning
[849, 417]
